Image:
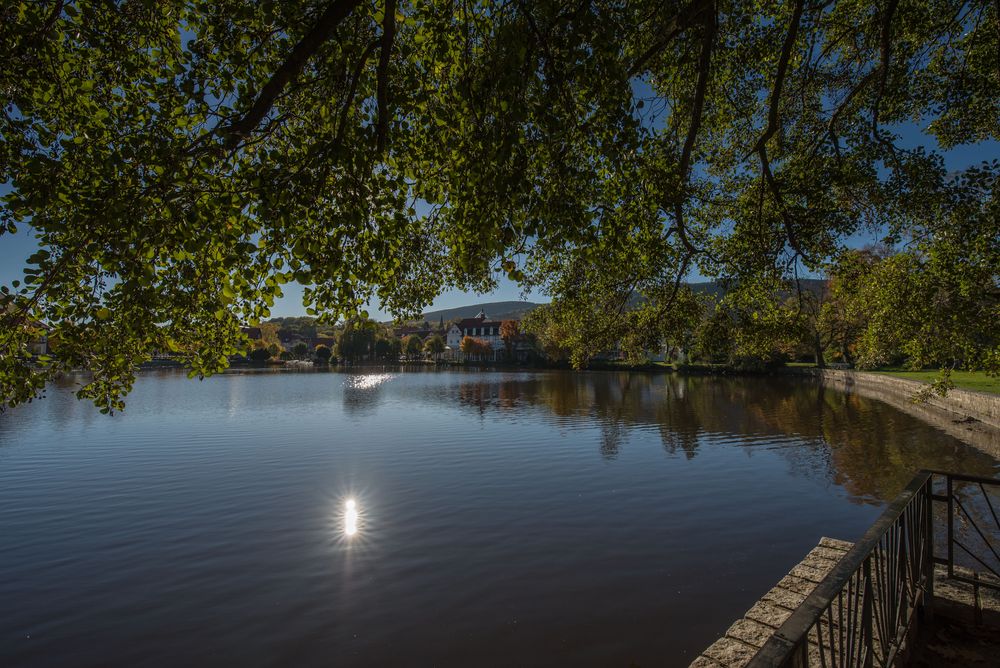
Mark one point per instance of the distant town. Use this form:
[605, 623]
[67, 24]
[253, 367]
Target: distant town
[479, 338]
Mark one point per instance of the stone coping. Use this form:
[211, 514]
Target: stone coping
[981, 406]
[744, 638]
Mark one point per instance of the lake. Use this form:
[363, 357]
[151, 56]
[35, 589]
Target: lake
[499, 518]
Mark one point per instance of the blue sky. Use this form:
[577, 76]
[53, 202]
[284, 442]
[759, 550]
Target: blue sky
[14, 249]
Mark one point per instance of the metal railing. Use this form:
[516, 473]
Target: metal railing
[969, 527]
[863, 612]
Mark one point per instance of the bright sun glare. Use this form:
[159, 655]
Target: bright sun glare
[351, 517]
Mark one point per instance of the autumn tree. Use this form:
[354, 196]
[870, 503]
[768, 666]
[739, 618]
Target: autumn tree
[467, 346]
[510, 330]
[483, 349]
[413, 346]
[476, 348]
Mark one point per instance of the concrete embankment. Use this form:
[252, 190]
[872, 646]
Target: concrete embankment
[973, 417]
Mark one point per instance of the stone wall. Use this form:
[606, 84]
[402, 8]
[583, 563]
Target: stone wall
[977, 405]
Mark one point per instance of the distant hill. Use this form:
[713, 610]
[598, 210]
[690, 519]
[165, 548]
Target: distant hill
[713, 288]
[717, 289]
[495, 311]
[517, 310]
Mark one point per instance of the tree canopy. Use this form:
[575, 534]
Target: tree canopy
[435, 345]
[323, 353]
[180, 161]
[413, 346]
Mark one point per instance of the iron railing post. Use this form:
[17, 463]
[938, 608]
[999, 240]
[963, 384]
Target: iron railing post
[867, 636]
[928, 602]
[801, 656]
[951, 520]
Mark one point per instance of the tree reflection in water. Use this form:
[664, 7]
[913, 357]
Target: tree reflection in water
[867, 446]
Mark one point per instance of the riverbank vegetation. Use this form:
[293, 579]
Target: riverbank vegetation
[872, 308]
[178, 163]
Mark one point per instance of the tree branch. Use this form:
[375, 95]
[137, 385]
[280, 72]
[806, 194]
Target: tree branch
[306, 47]
[779, 78]
[885, 49]
[352, 91]
[835, 116]
[51, 21]
[704, 66]
[36, 39]
[885, 63]
[760, 148]
[382, 83]
[786, 218]
[681, 22]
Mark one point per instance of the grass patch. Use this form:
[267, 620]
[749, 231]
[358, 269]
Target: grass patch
[966, 380]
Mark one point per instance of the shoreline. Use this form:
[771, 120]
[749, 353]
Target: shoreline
[970, 416]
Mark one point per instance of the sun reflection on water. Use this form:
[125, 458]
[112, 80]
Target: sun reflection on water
[350, 517]
[367, 381]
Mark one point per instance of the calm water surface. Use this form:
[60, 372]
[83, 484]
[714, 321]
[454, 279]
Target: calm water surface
[503, 519]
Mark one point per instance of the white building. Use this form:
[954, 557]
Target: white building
[479, 327]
